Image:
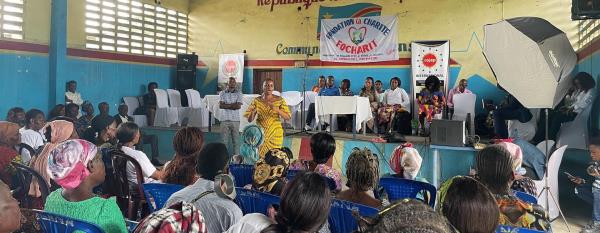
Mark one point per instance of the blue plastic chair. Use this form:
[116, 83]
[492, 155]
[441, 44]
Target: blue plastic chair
[252, 201]
[131, 225]
[397, 188]
[526, 197]
[340, 215]
[56, 223]
[291, 174]
[242, 174]
[157, 194]
[511, 229]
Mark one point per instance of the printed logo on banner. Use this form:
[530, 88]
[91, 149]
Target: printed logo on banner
[230, 68]
[357, 35]
[230, 65]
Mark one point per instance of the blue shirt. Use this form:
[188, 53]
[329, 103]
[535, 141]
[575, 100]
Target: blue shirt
[329, 91]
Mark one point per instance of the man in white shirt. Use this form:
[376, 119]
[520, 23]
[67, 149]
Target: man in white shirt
[395, 112]
[71, 95]
[460, 89]
[222, 212]
[31, 135]
[230, 103]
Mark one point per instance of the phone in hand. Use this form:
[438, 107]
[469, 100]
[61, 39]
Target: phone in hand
[569, 175]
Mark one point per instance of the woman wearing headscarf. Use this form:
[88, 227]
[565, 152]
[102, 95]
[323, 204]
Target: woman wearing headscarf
[521, 182]
[9, 138]
[271, 170]
[55, 132]
[76, 166]
[406, 162]
[180, 217]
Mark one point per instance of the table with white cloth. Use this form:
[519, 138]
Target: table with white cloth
[359, 107]
[212, 103]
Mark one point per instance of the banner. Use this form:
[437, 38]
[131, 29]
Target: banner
[429, 58]
[348, 11]
[359, 40]
[230, 65]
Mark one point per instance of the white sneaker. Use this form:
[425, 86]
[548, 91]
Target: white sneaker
[307, 128]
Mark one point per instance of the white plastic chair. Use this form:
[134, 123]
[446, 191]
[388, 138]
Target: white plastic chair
[575, 133]
[542, 146]
[553, 166]
[165, 116]
[198, 112]
[175, 102]
[132, 104]
[293, 99]
[525, 131]
[308, 98]
[277, 93]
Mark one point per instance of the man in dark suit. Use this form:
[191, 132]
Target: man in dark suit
[123, 117]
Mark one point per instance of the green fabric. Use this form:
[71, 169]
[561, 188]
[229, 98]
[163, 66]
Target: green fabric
[102, 212]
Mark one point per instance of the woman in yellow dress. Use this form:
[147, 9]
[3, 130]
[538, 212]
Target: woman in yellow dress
[267, 109]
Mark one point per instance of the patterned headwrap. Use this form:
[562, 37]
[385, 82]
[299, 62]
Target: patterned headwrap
[270, 171]
[252, 138]
[179, 217]
[67, 163]
[406, 160]
[516, 155]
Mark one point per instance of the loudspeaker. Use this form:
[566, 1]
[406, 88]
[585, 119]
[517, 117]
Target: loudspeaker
[187, 61]
[585, 9]
[186, 79]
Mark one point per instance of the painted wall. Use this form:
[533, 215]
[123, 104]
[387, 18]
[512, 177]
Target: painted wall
[237, 25]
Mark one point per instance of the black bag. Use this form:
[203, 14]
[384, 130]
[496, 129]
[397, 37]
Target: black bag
[402, 123]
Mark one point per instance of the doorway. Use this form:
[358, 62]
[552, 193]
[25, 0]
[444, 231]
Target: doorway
[261, 75]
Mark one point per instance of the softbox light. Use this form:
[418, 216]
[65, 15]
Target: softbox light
[531, 58]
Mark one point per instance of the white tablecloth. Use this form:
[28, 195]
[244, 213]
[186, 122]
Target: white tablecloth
[326, 105]
[212, 103]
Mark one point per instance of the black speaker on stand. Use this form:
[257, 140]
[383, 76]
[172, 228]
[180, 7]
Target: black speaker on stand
[186, 74]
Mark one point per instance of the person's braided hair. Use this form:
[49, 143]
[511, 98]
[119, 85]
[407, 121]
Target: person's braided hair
[187, 143]
[495, 169]
[409, 215]
[362, 169]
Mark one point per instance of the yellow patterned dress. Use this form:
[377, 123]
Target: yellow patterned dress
[269, 121]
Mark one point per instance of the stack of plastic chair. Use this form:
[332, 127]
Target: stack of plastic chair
[553, 166]
[165, 116]
[132, 104]
[198, 112]
[157, 194]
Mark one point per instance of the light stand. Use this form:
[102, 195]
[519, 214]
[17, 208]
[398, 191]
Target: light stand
[303, 103]
[546, 187]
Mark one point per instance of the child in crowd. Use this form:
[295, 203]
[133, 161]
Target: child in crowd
[590, 191]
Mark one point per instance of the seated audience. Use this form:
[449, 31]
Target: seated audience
[85, 121]
[72, 111]
[56, 132]
[521, 183]
[77, 167]
[16, 115]
[495, 170]
[431, 102]
[468, 205]
[35, 121]
[128, 135]
[394, 114]
[369, 91]
[122, 116]
[407, 216]
[102, 131]
[328, 90]
[103, 109]
[148, 107]
[9, 210]
[187, 143]
[304, 207]
[222, 212]
[322, 148]
[406, 162]
[460, 89]
[588, 189]
[379, 89]
[57, 111]
[9, 138]
[362, 178]
[345, 121]
[320, 84]
[152, 140]
[510, 109]
[579, 97]
[180, 217]
[271, 170]
[71, 95]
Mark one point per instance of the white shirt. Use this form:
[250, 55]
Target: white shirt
[147, 168]
[221, 213]
[579, 100]
[123, 119]
[75, 97]
[33, 138]
[397, 96]
[251, 223]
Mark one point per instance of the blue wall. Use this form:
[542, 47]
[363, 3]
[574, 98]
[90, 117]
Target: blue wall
[24, 82]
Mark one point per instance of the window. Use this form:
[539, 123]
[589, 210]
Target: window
[11, 19]
[588, 32]
[135, 27]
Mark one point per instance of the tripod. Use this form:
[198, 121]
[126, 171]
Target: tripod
[303, 103]
[546, 187]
